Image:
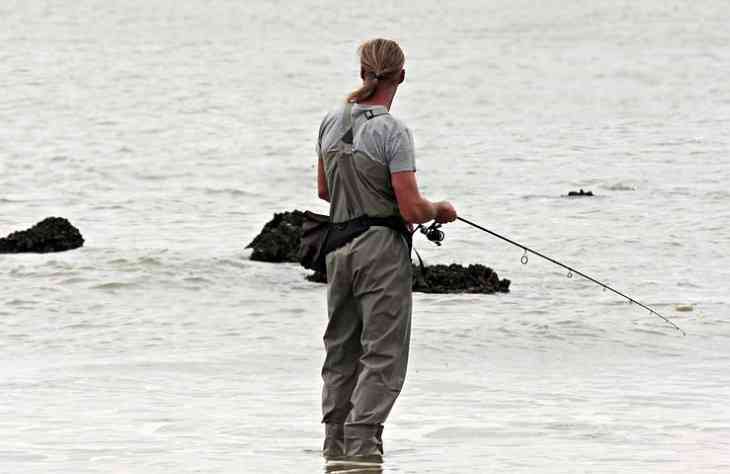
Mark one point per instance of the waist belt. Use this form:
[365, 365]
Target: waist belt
[341, 233]
[320, 236]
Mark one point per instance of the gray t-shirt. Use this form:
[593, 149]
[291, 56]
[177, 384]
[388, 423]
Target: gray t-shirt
[384, 138]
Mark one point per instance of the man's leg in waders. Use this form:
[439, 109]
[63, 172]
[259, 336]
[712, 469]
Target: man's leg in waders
[342, 342]
[383, 284]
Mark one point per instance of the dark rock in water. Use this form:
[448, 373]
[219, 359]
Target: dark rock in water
[580, 193]
[455, 278]
[452, 278]
[52, 234]
[280, 238]
[317, 277]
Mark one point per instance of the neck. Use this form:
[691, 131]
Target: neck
[383, 96]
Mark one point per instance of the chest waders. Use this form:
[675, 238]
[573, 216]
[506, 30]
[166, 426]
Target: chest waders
[368, 302]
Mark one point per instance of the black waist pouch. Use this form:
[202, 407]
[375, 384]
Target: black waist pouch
[315, 229]
[320, 236]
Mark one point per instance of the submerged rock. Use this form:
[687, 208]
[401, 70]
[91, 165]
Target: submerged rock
[279, 239]
[456, 278]
[580, 193]
[317, 277]
[452, 278]
[52, 234]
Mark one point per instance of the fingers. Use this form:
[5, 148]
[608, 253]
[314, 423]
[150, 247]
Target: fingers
[445, 212]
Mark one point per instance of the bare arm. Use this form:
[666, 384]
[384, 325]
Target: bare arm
[322, 189]
[414, 208]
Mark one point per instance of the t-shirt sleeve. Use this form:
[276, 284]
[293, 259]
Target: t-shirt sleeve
[401, 152]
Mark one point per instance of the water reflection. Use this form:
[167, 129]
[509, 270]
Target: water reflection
[353, 468]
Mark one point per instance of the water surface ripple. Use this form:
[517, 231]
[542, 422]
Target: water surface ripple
[169, 132]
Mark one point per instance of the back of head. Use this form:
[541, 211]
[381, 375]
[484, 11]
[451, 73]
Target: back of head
[381, 60]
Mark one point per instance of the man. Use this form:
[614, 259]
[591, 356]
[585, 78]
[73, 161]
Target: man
[366, 171]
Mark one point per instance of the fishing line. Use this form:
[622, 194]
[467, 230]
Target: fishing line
[436, 235]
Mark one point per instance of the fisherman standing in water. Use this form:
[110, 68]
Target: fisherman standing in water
[366, 171]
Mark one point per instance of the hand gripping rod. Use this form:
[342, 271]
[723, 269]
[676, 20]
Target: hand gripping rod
[572, 270]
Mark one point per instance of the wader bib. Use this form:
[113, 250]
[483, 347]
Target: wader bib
[368, 301]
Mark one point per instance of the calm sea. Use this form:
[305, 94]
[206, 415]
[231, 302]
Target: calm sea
[169, 133]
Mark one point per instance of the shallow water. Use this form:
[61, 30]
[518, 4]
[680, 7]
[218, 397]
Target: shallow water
[169, 133]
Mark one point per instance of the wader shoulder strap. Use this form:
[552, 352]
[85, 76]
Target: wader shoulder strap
[371, 114]
[347, 137]
[349, 134]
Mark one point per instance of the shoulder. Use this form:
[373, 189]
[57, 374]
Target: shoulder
[396, 129]
[394, 122]
[392, 126]
[333, 116]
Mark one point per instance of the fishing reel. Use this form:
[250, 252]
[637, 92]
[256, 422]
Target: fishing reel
[433, 233]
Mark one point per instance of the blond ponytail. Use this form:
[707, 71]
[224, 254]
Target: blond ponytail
[381, 60]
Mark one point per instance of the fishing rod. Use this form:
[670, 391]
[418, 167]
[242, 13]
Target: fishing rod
[434, 234]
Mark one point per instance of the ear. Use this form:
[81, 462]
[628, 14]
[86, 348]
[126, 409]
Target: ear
[402, 76]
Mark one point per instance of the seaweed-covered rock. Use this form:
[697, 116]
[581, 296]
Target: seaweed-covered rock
[52, 234]
[452, 278]
[279, 239]
[456, 278]
[580, 193]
